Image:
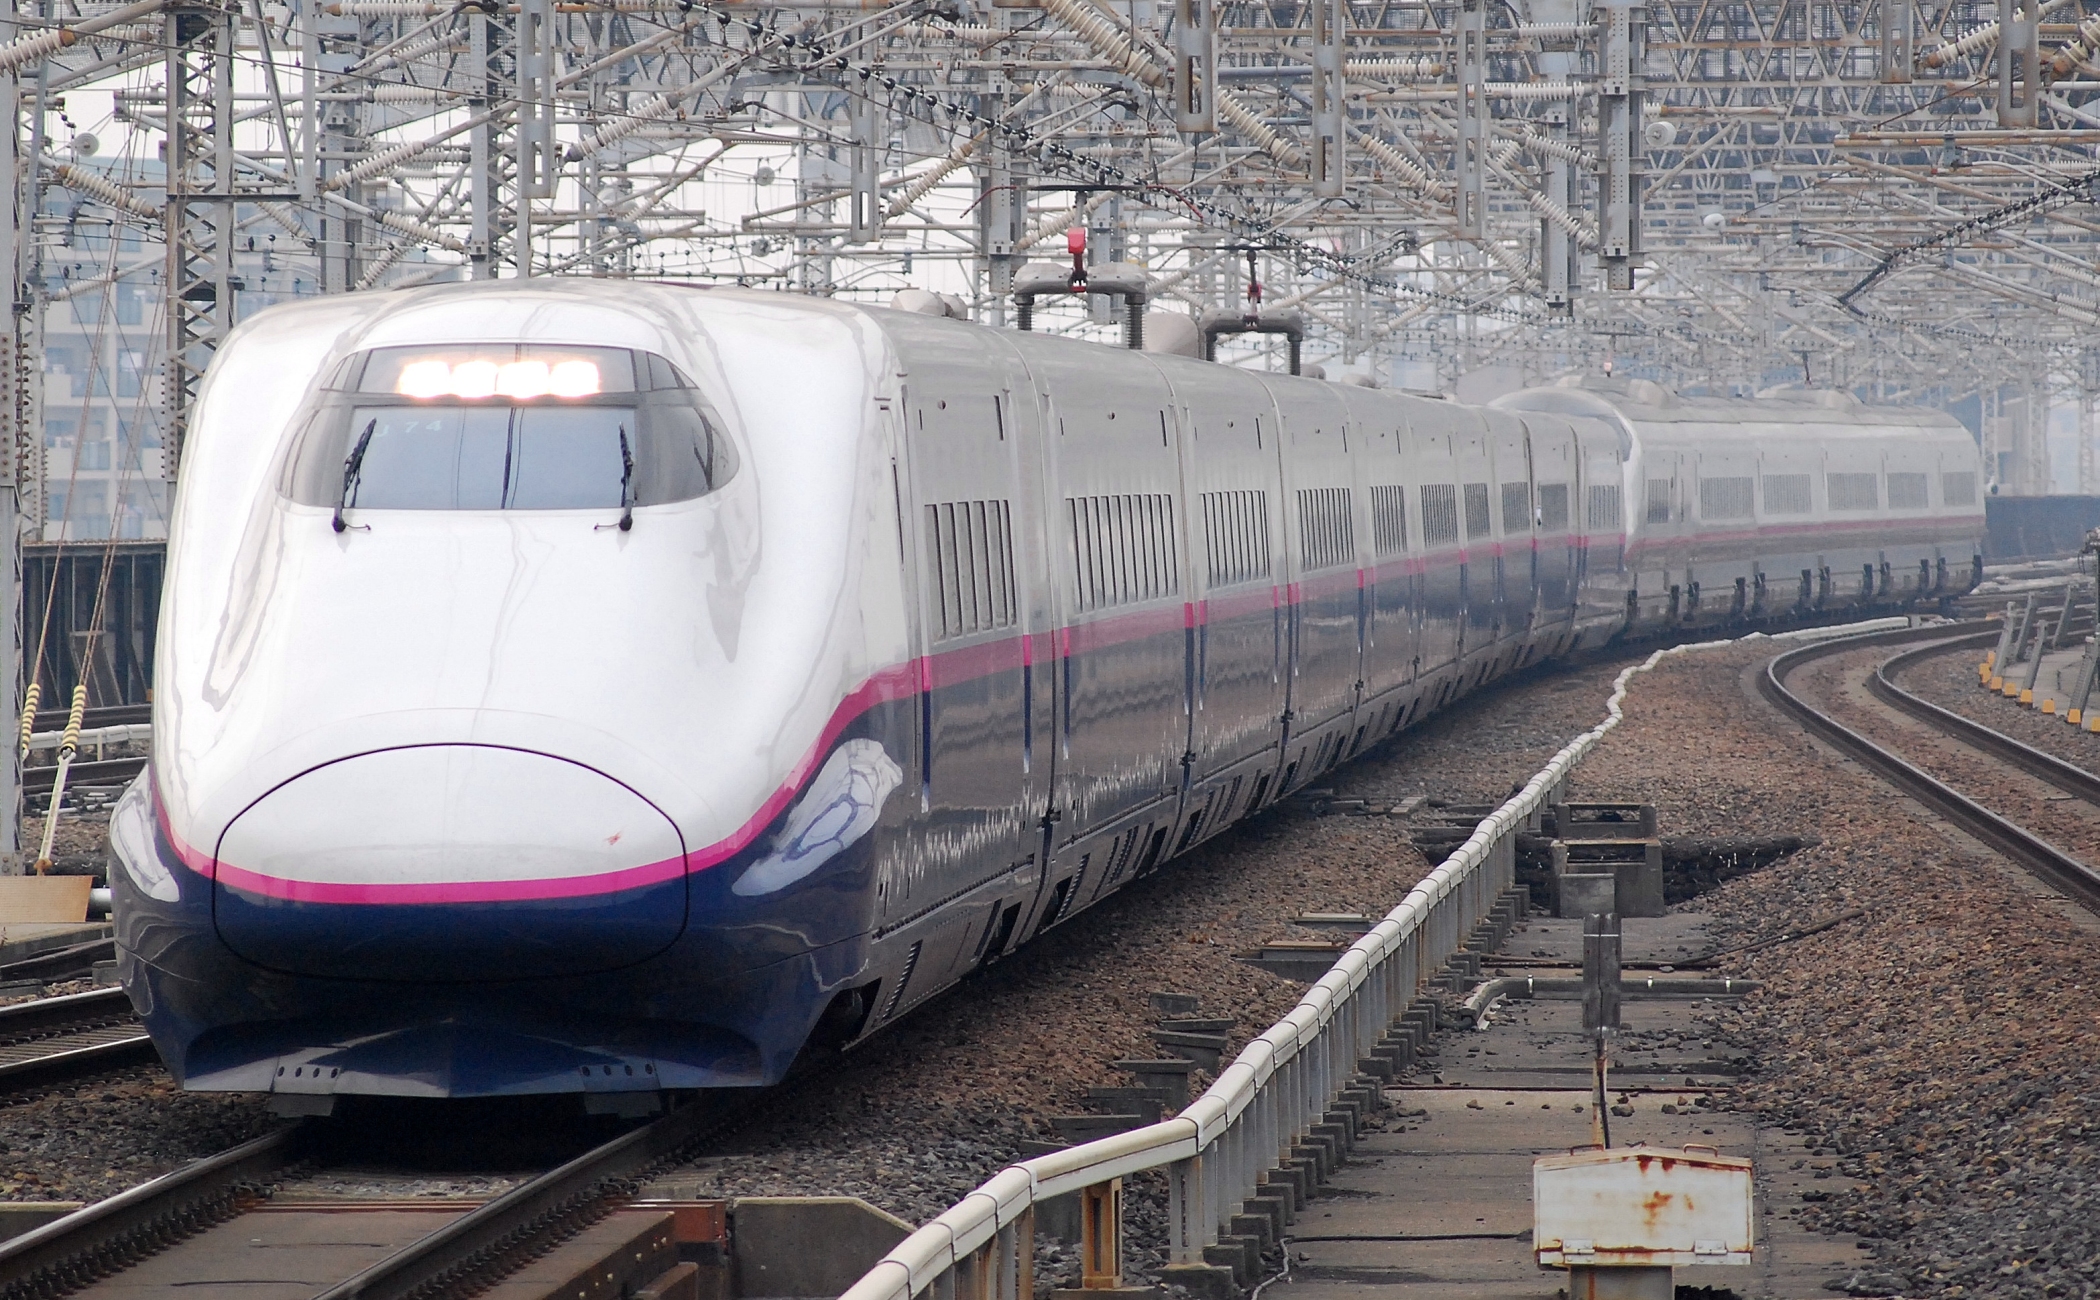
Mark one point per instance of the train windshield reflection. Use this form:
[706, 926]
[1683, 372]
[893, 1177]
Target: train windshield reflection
[492, 457]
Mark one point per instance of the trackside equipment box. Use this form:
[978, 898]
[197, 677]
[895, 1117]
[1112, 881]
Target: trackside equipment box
[1641, 1207]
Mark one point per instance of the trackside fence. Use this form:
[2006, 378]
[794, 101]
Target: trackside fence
[1215, 1152]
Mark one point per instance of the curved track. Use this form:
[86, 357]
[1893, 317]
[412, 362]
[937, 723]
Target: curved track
[2064, 872]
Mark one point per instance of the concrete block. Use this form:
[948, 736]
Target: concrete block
[1640, 883]
[807, 1245]
[1260, 1227]
[1337, 1136]
[1106, 1293]
[1233, 1253]
[1583, 895]
[1311, 1164]
[1204, 1281]
[1291, 1182]
[1272, 1201]
[1378, 1067]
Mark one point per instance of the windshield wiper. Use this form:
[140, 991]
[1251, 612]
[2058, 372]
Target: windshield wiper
[626, 483]
[353, 469]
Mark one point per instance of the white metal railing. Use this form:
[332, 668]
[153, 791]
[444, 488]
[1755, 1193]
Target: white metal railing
[1216, 1150]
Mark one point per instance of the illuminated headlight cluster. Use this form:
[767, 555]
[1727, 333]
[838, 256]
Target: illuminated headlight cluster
[516, 380]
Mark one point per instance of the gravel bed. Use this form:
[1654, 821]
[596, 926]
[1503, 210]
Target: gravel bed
[923, 1114]
[1838, 686]
[1950, 682]
[1939, 1050]
[85, 1142]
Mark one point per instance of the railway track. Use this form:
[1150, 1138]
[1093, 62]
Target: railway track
[51, 1040]
[201, 1226]
[2062, 870]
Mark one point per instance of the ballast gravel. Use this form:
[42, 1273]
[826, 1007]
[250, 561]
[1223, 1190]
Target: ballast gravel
[1950, 682]
[1938, 1051]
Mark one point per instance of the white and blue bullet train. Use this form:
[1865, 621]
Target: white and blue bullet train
[603, 687]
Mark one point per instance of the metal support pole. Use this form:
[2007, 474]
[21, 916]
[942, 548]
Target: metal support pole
[537, 163]
[864, 171]
[200, 209]
[20, 429]
[1557, 245]
[1195, 67]
[2019, 62]
[1330, 24]
[1898, 32]
[481, 151]
[1622, 47]
[2088, 401]
[1472, 119]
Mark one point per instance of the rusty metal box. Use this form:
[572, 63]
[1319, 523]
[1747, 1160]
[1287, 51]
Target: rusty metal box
[1641, 1206]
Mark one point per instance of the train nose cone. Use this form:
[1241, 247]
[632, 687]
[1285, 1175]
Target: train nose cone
[449, 863]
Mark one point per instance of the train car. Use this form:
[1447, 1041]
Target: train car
[610, 689]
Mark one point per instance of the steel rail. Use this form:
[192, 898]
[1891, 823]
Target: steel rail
[99, 772]
[2066, 777]
[75, 1061]
[67, 1037]
[2063, 872]
[534, 1213]
[102, 1238]
[483, 1245]
[70, 962]
[97, 1006]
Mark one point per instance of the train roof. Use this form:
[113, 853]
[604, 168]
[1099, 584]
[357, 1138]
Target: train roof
[1642, 401]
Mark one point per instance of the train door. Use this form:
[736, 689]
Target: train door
[1658, 551]
[1554, 490]
[1321, 525]
[1477, 567]
[1515, 553]
[1235, 503]
[1112, 492]
[1601, 580]
[1434, 429]
[1378, 445]
[965, 528]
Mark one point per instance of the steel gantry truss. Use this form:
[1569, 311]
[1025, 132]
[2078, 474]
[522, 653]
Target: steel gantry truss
[1894, 197]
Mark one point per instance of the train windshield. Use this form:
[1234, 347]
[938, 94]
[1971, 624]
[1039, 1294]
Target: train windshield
[467, 432]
